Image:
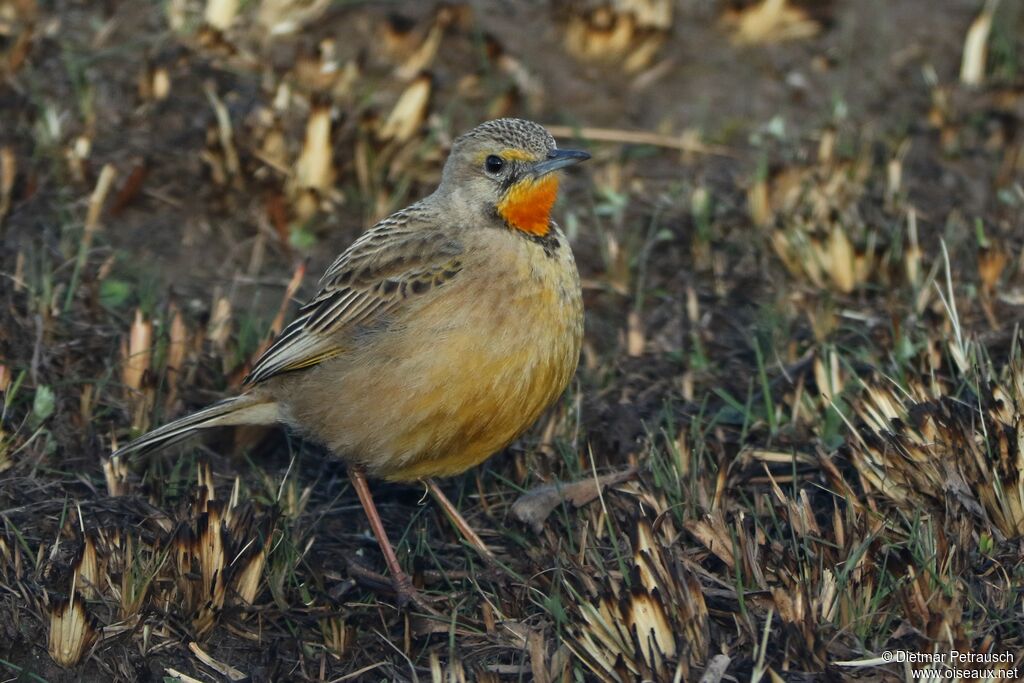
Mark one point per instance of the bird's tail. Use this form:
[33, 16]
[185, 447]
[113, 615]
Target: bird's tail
[246, 409]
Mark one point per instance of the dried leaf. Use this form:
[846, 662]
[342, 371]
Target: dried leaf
[72, 631]
[220, 14]
[409, 112]
[972, 66]
[315, 166]
[772, 21]
[534, 506]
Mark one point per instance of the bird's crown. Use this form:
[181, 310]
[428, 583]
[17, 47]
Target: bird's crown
[523, 136]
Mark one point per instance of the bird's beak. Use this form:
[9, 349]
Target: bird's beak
[559, 158]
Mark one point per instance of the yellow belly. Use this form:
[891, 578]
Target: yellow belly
[452, 384]
[470, 418]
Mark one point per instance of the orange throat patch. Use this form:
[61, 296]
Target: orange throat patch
[527, 204]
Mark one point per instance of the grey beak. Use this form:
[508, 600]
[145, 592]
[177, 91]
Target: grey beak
[559, 158]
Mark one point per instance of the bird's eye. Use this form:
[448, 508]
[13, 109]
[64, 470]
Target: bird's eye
[494, 163]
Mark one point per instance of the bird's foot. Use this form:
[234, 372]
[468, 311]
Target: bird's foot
[401, 586]
[407, 594]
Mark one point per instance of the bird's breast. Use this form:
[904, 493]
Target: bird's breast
[458, 377]
[501, 352]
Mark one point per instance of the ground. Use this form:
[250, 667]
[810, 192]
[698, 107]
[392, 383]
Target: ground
[795, 440]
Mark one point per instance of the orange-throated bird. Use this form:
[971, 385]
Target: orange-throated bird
[437, 338]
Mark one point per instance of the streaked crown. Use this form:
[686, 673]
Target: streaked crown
[519, 134]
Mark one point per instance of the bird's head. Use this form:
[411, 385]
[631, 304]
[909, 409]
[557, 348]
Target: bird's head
[506, 167]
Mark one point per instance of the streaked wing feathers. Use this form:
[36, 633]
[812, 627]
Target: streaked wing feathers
[391, 263]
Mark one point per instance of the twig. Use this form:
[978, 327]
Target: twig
[226, 670]
[96, 201]
[358, 672]
[639, 137]
[92, 224]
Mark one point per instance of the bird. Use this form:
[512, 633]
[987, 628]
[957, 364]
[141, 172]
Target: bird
[436, 338]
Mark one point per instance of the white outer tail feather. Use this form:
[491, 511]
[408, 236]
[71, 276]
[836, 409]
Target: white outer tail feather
[240, 410]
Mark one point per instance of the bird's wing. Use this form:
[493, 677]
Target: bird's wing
[393, 262]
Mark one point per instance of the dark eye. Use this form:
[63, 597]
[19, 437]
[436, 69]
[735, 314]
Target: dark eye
[494, 164]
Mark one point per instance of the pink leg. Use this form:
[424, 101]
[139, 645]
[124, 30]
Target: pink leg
[402, 583]
[460, 522]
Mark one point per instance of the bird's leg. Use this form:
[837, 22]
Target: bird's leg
[402, 583]
[460, 523]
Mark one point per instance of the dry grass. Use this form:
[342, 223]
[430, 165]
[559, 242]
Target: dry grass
[796, 438]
